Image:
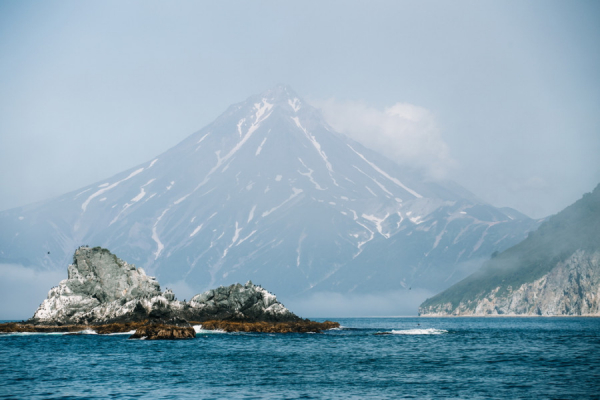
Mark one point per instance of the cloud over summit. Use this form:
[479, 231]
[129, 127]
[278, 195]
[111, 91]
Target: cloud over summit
[405, 133]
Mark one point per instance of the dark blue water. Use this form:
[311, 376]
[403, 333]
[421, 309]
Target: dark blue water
[533, 358]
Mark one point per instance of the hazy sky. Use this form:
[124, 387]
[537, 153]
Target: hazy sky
[503, 97]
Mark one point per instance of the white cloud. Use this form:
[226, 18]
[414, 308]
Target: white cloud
[405, 133]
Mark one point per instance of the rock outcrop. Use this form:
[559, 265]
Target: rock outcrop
[101, 288]
[249, 302]
[163, 332]
[571, 288]
[108, 295]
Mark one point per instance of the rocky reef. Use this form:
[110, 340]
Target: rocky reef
[302, 326]
[163, 332]
[108, 295]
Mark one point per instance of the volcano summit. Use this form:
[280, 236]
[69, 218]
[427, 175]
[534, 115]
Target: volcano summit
[269, 192]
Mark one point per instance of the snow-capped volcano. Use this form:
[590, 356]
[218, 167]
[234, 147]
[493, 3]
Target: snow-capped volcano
[269, 192]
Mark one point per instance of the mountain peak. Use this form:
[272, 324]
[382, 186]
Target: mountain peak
[280, 95]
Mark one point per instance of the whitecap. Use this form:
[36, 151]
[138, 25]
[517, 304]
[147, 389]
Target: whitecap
[199, 331]
[428, 331]
[121, 333]
[87, 332]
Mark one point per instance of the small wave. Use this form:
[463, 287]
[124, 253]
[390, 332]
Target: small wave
[33, 333]
[428, 331]
[83, 332]
[198, 329]
[121, 333]
[87, 332]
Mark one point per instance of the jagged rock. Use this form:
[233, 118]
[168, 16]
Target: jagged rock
[163, 332]
[238, 302]
[14, 327]
[101, 288]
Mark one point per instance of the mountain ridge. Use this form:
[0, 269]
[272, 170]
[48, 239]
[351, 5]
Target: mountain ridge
[554, 271]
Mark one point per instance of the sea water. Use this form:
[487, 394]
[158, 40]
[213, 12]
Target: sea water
[533, 358]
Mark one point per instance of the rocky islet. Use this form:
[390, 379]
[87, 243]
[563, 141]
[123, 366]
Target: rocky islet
[106, 294]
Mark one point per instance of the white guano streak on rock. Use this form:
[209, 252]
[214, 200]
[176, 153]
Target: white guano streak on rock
[396, 181]
[317, 146]
[99, 192]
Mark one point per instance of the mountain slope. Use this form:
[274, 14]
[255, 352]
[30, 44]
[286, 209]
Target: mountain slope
[269, 192]
[555, 271]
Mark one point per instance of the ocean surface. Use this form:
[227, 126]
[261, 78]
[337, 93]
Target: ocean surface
[463, 358]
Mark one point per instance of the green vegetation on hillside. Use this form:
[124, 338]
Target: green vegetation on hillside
[576, 227]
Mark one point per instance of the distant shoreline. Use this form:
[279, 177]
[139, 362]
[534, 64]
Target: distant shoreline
[510, 316]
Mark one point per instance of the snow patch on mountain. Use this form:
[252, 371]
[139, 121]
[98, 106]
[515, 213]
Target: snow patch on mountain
[159, 245]
[295, 104]
[251, 215]
[295, 193]
[196, 230]
[259, 149]
[99, 192]
[317, 146]
[396, 181]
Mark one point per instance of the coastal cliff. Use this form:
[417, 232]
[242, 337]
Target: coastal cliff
[571, 288]
[554, 272]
